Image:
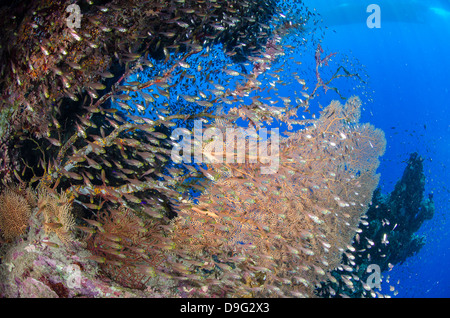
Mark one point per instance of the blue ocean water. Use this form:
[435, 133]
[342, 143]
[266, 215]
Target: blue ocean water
[407, 64]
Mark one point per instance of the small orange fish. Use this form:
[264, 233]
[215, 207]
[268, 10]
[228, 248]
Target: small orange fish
[112, 237]
[94, 223]
[95, 258]
[51, 244]
[54, 142]
[54, 225]
[86, 229]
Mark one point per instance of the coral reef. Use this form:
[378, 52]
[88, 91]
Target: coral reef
[92, 114]
[38, 267]
[50, 68]
[387, 234]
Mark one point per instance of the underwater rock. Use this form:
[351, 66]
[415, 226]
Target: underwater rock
[40, 266]
[388, 235]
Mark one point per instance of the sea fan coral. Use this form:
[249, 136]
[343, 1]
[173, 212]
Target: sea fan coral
[279, 234]
[15, 212]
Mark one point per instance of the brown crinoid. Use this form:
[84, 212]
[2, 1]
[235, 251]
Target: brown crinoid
[57, 215]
